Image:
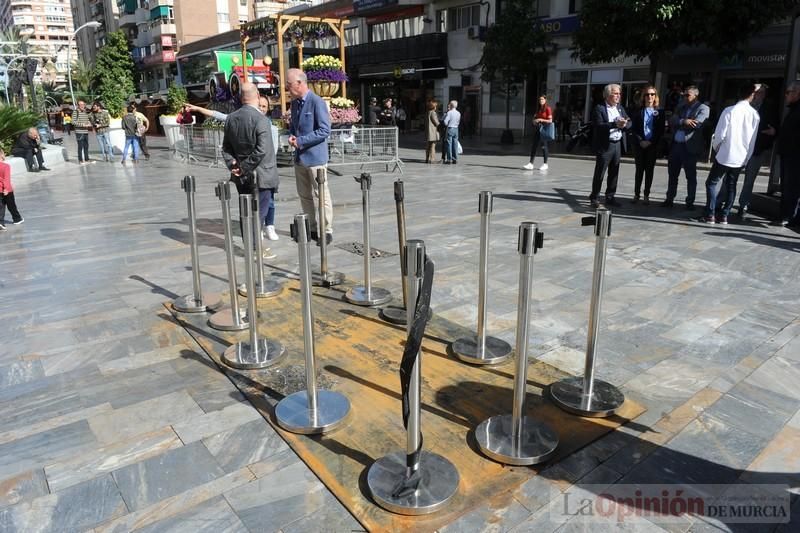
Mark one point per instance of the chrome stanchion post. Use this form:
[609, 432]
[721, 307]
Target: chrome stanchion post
[258, 352]
[313, 410]
[414, 481]
[323, 277]
[367, 294]
[394, 314]
[481, 349]
[264, 288]
[228, 319]
[588, 396]
[194, 303]
[517, 439]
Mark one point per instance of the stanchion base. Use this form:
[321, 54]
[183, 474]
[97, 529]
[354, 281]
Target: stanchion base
[331, 278]
[358, 295]
[437, 486]
[271, 288]
[222, 320]
[467, 349]
[397, 315]
[293, 414]
[241, 355]
[605, 401]
[187, 304]
[535, 444]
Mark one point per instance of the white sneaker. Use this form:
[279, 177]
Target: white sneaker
[528, 166]
[544, 167]
[271, 233]
[267, 253]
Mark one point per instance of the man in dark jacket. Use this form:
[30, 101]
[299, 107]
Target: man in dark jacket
[29, 146]
[374, 110]
[248, 152]
[608, 140]
[788, 147]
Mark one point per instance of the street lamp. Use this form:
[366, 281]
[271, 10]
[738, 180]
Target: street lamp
[91, 24]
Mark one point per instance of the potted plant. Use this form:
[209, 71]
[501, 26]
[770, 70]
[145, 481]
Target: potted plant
[325, 74]
[176, 99]
[343, 112]
[113, 76]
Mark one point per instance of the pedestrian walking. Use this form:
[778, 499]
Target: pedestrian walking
[7, 194]
[543, 132]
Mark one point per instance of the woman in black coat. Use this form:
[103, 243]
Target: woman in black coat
[648, 130]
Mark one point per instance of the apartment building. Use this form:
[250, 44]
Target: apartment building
[158, 28]
[48, 23]
[89, 41]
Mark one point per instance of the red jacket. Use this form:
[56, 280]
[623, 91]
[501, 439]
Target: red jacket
[5, 178]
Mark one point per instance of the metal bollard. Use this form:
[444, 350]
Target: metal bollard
[588, 396]
[481, 349]
[413, 482]
[313, 410]
[265, 288]
[517, 439]
[323, 277]
[394, 314]
[258, 352]
[194, 303]
[228, 319]
[366, 294]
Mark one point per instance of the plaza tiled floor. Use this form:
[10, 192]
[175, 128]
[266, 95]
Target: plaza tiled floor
[113, 419]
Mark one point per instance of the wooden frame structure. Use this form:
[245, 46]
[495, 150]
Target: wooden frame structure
[282, 23]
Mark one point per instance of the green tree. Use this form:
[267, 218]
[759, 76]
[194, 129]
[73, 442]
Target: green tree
[648, 28]
[114, 73]
[82, 77]
[515, 49]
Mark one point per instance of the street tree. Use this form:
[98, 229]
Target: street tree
[645, 29]
[114, 73]
[516, 48]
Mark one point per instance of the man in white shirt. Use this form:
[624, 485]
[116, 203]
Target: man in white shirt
[451, 119]
[734, 141]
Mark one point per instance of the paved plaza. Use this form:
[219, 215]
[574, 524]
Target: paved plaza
[112, 418]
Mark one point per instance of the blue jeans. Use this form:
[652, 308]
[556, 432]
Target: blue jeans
[134, 142]
[451, 145]
[680, 157]
[729, 176]
[266, 206]
[104, 140]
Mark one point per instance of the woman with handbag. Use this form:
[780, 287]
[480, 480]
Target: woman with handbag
[543, 133]
[431, 132]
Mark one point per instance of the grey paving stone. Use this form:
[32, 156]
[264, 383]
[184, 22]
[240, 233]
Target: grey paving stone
[41, 448]
[20, 372]
[330, 517]
[171, 473]
[75, 509]
[24, 486]
[754, 410]
[213, 516]
[244, 445]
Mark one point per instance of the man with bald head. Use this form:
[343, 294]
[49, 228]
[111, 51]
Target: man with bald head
[249, 153]
[308, 134]
[29, 146]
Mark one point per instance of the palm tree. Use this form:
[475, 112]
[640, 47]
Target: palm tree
[17, 44]
[83, 77]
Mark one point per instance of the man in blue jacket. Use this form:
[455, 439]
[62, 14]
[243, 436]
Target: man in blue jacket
[308, 134]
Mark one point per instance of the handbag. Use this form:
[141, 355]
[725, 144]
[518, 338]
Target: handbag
[459, 150]
[547, 131]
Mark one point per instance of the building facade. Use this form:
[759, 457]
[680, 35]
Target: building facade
[89, 41]
[48, 24]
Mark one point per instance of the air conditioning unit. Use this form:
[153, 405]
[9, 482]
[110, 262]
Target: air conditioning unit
[476, 32]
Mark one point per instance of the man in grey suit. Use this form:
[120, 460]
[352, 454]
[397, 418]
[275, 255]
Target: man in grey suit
[249, 154]
[688, 144]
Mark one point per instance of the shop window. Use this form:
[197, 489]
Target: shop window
[497, 97]
[636, 74]
[574, 76]
[575, 6]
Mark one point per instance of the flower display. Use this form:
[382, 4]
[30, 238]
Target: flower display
[342, 103]
[324, 68]
[344, 115]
